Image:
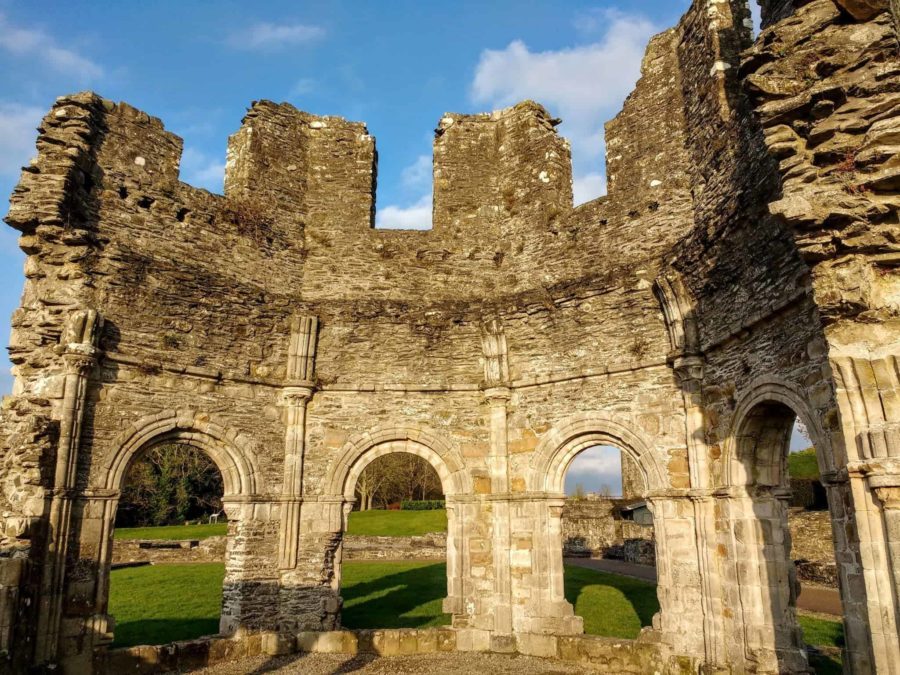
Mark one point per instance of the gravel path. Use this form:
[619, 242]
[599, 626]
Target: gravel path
[458, 663]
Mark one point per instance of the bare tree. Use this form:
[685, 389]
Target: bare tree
[395, 478]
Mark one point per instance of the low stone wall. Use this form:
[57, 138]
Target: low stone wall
[591, 527]
[629, 657]
[812, 547]
[426, 547]
[169, 551]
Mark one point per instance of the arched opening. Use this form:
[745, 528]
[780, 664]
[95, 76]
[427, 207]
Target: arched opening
[782, 538]
[341, 488]
[548, 470]
[394, 568]
[608, 543]
[235, 463]
[169, 535]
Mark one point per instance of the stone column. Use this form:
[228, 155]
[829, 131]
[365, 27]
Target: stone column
[889, 496]
[497, 395]
[294, 398]
[497, 399]
[867, 392]
[689, 369]
[80, 354]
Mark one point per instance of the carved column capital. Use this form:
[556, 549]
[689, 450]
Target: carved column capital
[296, 394]
[80, 359]
[889, 497]
[497, 395]
[689, 368]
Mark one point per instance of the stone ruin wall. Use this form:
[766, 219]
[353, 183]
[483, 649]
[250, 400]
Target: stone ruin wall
[740, 176]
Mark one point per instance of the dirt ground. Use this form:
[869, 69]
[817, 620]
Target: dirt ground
[459, 663]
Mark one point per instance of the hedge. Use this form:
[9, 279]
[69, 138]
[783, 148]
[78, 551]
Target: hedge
[422, 505]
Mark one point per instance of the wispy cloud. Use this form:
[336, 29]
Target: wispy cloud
[305, 85]
[586, 85]
[417, 174]
[414, 217]
[271, 36]
[34, 43]
[18, 130]
[595, 468]
[201, 170]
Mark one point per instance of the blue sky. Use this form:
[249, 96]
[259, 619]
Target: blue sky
[396, 65]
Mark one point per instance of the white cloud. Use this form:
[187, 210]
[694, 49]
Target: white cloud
[596, 468]
[18, 130]
[600, 461]
[415, 217]
[417, 174]
[38, 45]
[201, 170]
[305, 85]
[266, 35]
[586, 85]
[588, 186]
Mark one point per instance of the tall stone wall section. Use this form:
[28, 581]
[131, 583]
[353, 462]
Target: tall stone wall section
[741, 271]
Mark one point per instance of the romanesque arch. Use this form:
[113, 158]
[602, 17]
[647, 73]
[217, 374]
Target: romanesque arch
[765, 395]
[364, 448]
[230, 450]
[552, 457]
[559, 446]
[754, 506]
[233, 456]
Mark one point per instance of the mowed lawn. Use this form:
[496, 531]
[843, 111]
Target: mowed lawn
[372, 523]
[397, 523]
[163, 603]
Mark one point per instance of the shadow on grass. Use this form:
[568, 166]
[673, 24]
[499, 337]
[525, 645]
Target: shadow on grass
[162, 631]
[612, 606]
[393, 595]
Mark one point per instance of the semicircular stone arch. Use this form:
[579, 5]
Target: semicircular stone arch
[559, 446]
[229, 450]
[764, 391]
[366, 447]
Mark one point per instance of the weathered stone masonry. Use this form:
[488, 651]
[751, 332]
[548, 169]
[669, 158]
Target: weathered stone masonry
[742, 270]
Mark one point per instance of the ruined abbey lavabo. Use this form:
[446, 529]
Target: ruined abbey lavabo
[742, 271]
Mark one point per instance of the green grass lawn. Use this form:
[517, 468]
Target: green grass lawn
[381, 523]
[397, 523]
[610, 605]
[803, 464]
[394, 595]
[172, 532]
[163, 603]
[156, 604]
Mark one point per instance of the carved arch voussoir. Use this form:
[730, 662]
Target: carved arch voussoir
[363, 448]
[772, 389]
[231, 451]
[559, 446]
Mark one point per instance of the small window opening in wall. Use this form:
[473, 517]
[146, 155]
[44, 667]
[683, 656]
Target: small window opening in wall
[168, 548]
[608, 544]
[389, 579]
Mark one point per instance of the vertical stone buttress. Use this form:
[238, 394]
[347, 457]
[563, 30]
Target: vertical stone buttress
[687, 363]
[299, 387]
[497, 396]
[79, 352]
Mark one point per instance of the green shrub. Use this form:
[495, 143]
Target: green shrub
[422, 505]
